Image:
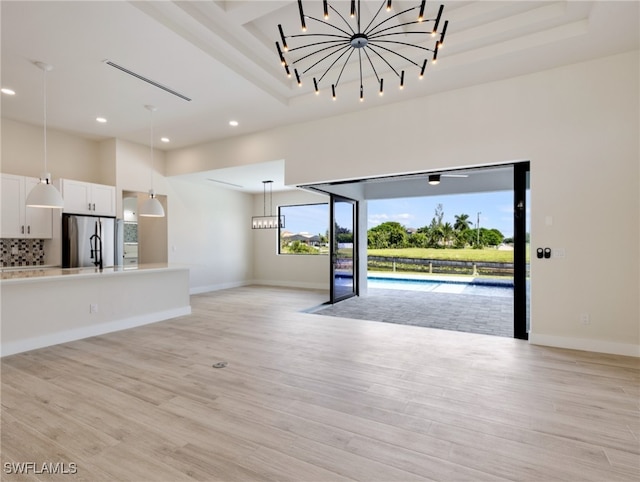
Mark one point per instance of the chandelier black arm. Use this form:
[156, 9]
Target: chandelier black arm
[336, 49]
[343, 19]
[375, 39]
[387, 20]
[343, 65]
[376, 15]
[331, 25]
[401, 43]
[346, 37]
[371, 63]
[343, 40]
[414, 22]
[360, 64]
[370, 45]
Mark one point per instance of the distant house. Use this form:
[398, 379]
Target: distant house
[306, 238]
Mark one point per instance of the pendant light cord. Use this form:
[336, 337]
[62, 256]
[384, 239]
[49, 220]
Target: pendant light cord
[44, 95]
[151, 143]
[264, 198]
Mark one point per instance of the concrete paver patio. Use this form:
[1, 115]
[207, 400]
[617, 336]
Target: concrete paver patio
[445, 306]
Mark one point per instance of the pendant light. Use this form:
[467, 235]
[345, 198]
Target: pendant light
[151, 207]
[44, 194]
[264, 221]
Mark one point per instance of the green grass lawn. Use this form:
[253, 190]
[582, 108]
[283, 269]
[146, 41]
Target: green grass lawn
[467, 254]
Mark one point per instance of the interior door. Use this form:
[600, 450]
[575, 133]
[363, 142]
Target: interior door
[344, 248]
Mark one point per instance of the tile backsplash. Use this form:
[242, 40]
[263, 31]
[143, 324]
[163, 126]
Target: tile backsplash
[130, 232]
[22, 252]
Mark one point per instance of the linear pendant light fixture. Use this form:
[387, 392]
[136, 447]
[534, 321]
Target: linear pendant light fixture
[264, 221]
[44, 194]
[381, 43]
[151, 207]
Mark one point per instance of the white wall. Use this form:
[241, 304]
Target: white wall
[210, 232]
[298, 271]
[578, 125]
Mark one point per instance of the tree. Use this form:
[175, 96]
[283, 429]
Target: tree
[343, 235]
[387, 235]
[299, 247]
[491, 237]
[462, 222]
[418, 240]
[447, 233]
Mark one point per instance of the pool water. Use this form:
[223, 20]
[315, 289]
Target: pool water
[481, 288]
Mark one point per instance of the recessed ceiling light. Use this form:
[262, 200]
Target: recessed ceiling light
[165, 139]
[4, 90]
[102, 120]
[233, 123]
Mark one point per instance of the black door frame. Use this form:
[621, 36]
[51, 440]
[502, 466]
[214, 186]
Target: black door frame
[333, 255]
[520, 292]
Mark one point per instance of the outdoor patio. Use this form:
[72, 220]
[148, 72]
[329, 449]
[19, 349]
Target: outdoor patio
[467, 308]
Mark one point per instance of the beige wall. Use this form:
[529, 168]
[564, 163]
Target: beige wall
[68, 156]
[578, 125]
[210, 232]
[298, 271]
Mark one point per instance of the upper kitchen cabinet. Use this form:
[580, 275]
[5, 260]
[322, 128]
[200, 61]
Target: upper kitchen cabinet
[18, 220]
[88, 198]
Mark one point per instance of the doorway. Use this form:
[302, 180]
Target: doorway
[513, 310]
[146, 239]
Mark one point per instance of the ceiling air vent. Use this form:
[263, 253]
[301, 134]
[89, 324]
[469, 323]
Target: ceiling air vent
[148, 81]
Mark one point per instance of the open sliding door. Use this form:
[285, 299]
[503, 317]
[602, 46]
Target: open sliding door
[521, 279]
[344, 248]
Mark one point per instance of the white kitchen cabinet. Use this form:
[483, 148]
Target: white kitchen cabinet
[88, 198]
[18, 220]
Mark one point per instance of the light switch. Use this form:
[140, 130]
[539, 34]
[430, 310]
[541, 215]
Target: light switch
[558, 252]
[548, 220]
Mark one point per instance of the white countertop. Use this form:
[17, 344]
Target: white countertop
[47, 273]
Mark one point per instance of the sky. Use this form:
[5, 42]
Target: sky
[495, 208]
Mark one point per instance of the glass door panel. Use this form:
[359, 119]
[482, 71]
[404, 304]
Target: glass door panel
[343, 248]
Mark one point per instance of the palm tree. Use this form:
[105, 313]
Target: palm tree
[462, 222]
[447, 233]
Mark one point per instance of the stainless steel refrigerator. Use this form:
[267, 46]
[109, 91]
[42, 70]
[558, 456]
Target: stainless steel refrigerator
[89, 241]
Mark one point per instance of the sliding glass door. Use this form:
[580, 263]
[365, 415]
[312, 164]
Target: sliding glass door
[344, 244]
[521, 279]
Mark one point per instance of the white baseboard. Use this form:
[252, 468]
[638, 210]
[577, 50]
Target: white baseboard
[217, 287]
[34, 343]
[599, 346]
[292, 284]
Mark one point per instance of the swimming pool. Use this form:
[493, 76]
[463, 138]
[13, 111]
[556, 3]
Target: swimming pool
[471, 286]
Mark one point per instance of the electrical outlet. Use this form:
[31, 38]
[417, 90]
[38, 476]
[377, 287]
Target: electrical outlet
[93, 308]
[585, 319]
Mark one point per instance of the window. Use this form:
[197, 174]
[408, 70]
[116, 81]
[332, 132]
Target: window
[306, 229]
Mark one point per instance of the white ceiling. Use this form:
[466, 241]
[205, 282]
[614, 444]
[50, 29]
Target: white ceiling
[222, 55]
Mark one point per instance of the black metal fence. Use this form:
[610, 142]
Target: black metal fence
[471, 268]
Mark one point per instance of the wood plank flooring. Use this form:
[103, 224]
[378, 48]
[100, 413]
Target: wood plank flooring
[307, 397]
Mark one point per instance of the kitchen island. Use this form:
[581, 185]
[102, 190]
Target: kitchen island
[43, 306]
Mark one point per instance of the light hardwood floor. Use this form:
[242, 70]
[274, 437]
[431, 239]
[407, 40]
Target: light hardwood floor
[311, 398]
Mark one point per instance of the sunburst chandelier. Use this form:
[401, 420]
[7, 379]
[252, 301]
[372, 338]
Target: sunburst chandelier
[382, 44]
